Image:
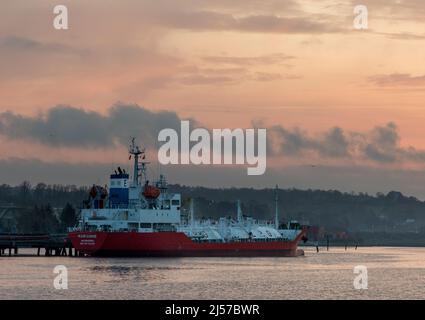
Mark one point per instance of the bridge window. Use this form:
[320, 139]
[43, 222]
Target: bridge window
[165, 205]
[145, 225]
[133, 226]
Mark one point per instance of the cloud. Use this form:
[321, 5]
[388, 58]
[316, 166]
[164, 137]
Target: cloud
[25, 44]
[66, 126]
[204, 20]
[282, 141]
[272, 76]
[227, 75]
[26, 57]
[380, 145]
[199, 79]
[394, 8]
[72, 127]
[402, 35]
[394, 15]
[267, 76]
[250, 5]
[397, 79]
[278, 24]
[275, 58]
[29, 58]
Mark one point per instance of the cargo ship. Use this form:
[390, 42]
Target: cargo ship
[138, 218]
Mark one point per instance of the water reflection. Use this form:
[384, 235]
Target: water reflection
[394, 273]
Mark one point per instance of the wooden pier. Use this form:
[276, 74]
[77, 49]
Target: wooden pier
[52, 245]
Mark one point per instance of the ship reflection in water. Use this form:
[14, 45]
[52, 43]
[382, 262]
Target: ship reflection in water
[394, 273]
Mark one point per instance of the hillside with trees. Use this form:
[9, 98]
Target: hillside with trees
[53, 208]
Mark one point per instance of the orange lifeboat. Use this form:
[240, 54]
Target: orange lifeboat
[151, 192]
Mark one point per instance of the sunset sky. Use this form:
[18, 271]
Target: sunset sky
[344, 108]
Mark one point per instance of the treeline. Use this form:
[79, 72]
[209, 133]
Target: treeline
[334, 210]
[44, 219]
[39, 209]
[41, 194]
[331, 209]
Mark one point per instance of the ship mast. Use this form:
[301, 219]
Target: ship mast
[276, 215]
[192, 214]
[239, 210]
[136, 152]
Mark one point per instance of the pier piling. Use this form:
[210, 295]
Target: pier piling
[53, 245]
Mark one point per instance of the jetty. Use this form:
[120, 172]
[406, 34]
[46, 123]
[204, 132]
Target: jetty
[46, 244]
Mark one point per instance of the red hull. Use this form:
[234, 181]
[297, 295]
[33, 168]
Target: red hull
[176, 244]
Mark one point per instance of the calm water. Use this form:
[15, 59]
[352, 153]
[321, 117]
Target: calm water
[393, 273]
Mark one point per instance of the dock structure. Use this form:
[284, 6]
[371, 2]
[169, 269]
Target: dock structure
[53, 245]
[8, 215]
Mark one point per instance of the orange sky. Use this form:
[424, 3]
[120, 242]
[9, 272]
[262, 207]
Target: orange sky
[296, 63]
